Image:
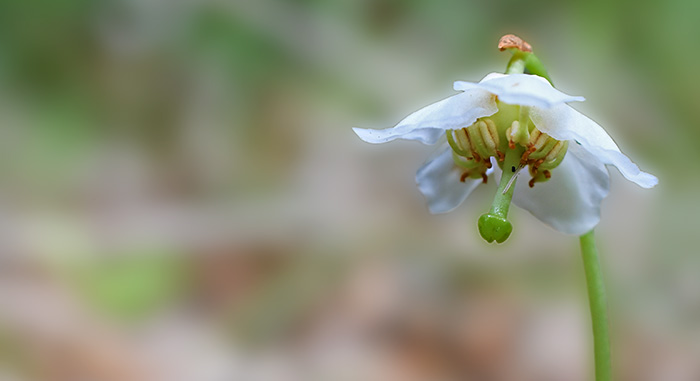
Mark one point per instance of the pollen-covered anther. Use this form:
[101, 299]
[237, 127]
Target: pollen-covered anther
[467, 174]
[517, 133]
[509, 135]
[530, 149]
[542, 148]
[474, 174]
[489, 135]
[501, 156]
[548, 154]
[456, 140]
[472, 169]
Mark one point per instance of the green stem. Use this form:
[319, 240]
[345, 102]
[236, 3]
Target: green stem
[516, 65]
[598, 305]
[526, 62]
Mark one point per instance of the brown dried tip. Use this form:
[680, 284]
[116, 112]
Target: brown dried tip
[513, 41]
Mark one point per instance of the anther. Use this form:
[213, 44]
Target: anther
[464, 176]
[535, 165]
[555, 151]
[518, 131]
[541, 140]
[553, 159]
[534, 135]
[475, 137]
[545, 149]
[464, 141]
[509, 135]
[489, 133]
[456, 142]
[530, 149]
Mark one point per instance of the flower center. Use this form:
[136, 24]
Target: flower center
[510, 137]
[474, 146]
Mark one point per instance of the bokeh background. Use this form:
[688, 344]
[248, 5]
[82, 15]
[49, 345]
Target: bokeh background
[182, 197]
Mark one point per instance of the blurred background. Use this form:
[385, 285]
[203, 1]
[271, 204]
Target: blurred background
[182, 196]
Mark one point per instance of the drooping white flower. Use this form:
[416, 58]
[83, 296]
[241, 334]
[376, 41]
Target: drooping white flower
[569, 201]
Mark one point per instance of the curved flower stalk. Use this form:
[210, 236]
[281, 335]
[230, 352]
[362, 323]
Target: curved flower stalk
[502, 124]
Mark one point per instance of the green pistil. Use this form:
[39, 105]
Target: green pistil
[516, 65]
[494, 225]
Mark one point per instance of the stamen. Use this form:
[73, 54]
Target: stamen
[530, 149]
[489, 134]
[465, 142]
[544, 149]
[509, 136]
[518, 130]
[477, 141]
[541, 140]
[555, 151]
[456, 145]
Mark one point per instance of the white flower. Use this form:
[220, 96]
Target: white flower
[569, 201]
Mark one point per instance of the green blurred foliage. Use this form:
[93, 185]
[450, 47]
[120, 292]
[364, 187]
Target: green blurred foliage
[130, 287]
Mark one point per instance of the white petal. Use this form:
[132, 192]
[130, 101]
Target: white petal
[438, 180]
[429, 123]
[565, 123]
[570, 201]
[424, 135]
[521, 89]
